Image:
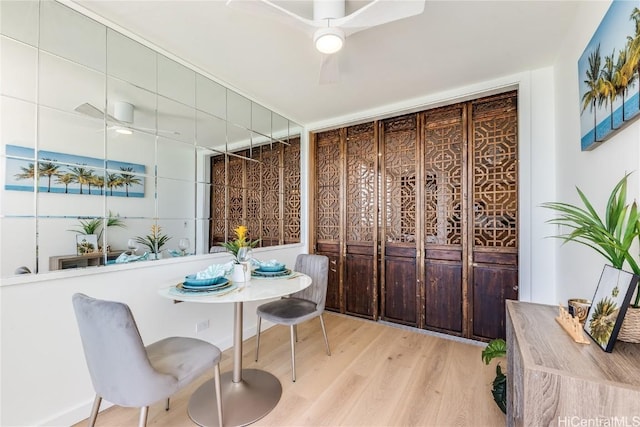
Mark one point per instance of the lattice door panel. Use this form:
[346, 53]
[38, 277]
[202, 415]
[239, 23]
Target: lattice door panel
[217, 210]
[362, 178]
[271, 190]
[328, 177]
[444, 184]
[495, 173]
[400, 143]
[398, 287]
[443, 169]
[291, 208]
[494, 220]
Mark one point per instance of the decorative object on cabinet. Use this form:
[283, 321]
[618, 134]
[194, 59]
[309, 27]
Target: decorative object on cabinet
[609, 306]
[609, 90]
[571, 324]
[579, 307]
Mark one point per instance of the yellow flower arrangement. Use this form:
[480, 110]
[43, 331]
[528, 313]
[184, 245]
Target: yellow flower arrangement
[241, 241]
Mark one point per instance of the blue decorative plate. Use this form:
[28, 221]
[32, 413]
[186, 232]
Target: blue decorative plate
[192, 282]
[259, 273]
[270, 268]
[218, 289]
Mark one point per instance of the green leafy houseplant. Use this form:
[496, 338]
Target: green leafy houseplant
[154, 241]
[241, 241]
[611, 237]
[497, 348]
[94, 225]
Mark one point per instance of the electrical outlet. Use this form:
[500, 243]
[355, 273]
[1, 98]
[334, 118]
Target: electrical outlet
[201, 326]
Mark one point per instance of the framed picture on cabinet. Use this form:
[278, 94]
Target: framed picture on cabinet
[609, 306]
[86, 244]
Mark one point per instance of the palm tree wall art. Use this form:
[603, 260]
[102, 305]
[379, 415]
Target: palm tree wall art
[71, 174]
[610, 85]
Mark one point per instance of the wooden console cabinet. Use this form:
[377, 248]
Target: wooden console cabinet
[79, 261]
[553, 381]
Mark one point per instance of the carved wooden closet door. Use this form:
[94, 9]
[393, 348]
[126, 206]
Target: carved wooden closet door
[418, 215]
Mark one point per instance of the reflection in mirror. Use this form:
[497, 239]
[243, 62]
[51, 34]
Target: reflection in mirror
[238, 110]
[211, 97]
[130, 61]
[103, 135]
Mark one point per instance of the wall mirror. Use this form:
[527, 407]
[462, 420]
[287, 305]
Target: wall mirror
[103, 135]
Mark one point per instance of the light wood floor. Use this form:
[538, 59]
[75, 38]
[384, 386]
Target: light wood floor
[377, 375]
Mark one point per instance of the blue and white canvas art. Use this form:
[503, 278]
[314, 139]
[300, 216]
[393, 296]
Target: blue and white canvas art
[609, 74]
[71, 174]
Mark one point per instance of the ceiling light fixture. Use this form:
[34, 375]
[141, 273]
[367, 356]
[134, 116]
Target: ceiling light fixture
[329, 40]
[124, 131]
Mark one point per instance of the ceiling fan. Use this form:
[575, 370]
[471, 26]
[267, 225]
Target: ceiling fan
[122, 117]
[330, 26]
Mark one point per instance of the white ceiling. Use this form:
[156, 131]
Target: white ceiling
[452, 44]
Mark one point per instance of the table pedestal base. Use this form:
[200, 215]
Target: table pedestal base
[242, 403]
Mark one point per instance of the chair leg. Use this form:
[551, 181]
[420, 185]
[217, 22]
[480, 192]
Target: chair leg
[295, 331]
[258, 337]
[94, 410]
[324, 332]
[218, 392]
[166, 408]
[293, 354]
[144, 411]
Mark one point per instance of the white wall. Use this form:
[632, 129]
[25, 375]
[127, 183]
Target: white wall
[43, 372]
[594, 172]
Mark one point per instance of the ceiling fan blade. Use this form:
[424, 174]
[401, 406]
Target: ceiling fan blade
[273, 10]
[92, 111]
[329, 69]
[379, 12]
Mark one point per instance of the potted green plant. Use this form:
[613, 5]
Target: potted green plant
[497, 348]
[90, 226]
[612, 237]
[240, 248]
[154, 241]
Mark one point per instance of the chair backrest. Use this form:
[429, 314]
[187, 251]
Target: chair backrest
[116, 357]
[316, 267]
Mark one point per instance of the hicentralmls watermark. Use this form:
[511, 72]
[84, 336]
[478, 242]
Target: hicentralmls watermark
[622, 421]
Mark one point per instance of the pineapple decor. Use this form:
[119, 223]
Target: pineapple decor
[603, 320]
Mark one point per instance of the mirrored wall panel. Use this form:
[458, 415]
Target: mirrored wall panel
[114, 153]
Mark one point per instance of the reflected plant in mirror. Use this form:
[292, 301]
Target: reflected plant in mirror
[154, 241]
[90, 226]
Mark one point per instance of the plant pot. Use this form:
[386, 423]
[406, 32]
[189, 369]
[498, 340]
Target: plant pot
[241, 273]
[630, 329]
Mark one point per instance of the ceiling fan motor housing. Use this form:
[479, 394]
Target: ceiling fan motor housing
[123, 111]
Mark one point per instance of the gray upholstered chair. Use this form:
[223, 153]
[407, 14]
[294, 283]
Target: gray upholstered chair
[301, 306]
[124, 371]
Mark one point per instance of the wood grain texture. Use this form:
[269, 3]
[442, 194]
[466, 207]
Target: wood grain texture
[377, 375]
[553, 379]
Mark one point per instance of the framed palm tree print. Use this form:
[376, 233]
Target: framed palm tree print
[609, 75]
[609, 306]
[71, 174]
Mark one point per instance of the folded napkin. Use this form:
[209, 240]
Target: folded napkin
[124, 258]
[215, 270]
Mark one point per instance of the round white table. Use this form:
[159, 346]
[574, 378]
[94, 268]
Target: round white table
[247, 394]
